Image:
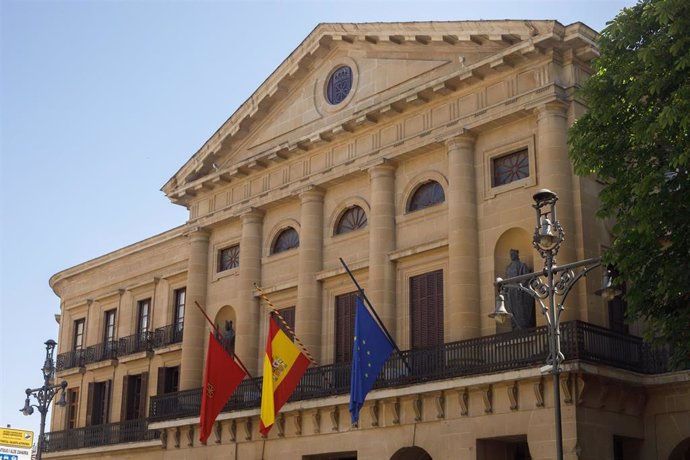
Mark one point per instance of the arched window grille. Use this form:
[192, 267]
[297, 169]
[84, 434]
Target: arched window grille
[339, 85]
[352, 219]
[286, 240]
[428, 194]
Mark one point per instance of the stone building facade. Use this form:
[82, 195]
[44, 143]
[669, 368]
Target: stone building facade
[411, 151]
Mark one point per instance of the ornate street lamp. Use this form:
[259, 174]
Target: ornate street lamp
[544, 286]
[44, 395]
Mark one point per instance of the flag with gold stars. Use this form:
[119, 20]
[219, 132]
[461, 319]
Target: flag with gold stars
[369, 354]
[221, 378]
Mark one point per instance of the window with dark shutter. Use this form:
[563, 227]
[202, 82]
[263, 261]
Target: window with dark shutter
[134, 396]
[72, 408]
[426, 309]
[98, 403]
[345, 309]
[168, 380]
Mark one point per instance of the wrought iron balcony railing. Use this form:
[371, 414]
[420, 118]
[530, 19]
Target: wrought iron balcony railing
[70, 360]
[142, 341]
[483, 355]
[101, 352]
[167, 335]
[99, 435]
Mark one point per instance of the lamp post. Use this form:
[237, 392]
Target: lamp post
[549, 287]
[44, 394]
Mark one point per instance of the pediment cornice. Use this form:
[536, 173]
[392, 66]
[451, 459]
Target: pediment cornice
[510, 42]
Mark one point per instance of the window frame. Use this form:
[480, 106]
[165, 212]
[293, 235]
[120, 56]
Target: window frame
[337, 230]
[490, 155]
[418, 189]
[109, 320]
[219, 265]
[78, 334]
[277, 239]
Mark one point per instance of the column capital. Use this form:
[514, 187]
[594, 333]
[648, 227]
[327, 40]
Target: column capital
[551, 109]
[311, 193]
[463, 139]
[198, 234]
[384, 168]
[251, 215]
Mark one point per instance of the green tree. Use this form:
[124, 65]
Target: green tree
[634, 139]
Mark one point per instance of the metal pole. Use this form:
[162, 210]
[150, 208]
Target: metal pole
[39, 448]
[555, 355]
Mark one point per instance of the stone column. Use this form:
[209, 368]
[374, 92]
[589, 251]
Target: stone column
[463, 305]
[556, 174]
[193, 336]
[381, 286]
[308, 313]
[247, 328]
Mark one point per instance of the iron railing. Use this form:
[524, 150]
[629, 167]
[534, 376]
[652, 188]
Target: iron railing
[101, 352]
[141, 341]
[168, 335]
[483, 355]
[70, 360]
[99, 435]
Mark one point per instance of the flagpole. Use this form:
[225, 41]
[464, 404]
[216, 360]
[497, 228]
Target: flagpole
[222, 339]
[376, 315]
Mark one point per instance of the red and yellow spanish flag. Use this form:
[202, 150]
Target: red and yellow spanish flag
[284, 365]
[221, 378]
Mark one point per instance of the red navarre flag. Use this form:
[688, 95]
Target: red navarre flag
[221, 378]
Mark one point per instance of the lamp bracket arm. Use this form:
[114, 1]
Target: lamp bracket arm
[569, 278]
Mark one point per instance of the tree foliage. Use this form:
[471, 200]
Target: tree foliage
[634, 139]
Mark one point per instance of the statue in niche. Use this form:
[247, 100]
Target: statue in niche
[227, 337]
[518, 302]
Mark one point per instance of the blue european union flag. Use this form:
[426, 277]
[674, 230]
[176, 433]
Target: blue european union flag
[370, 352]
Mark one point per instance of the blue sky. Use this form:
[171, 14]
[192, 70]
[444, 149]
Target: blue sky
[103, 101]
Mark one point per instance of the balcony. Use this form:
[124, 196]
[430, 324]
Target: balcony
[483, 355]
[101, 352]
[146, 341]
[99, 435]
[167, 335]
[70, 360]
[136, 343]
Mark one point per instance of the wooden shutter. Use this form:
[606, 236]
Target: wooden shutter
[143, 394]
[345, 309]
[161, 382]
[89, 404]
[125, 398]
[426, 309]
[108, 384]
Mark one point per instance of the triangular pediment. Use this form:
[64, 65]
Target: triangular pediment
[392, 65]
[307, 104]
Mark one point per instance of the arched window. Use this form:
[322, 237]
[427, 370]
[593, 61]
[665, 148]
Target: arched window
[352, 219]
[287, 239]
[427, 194]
